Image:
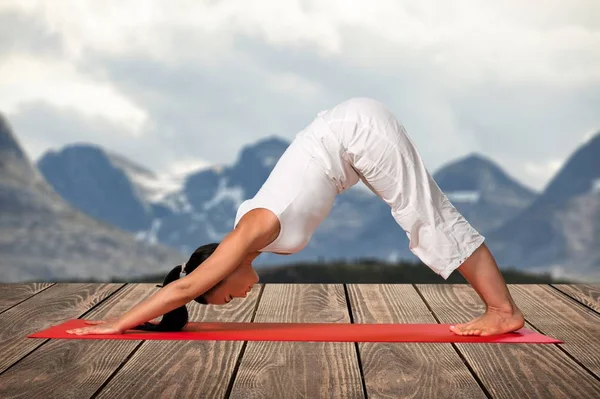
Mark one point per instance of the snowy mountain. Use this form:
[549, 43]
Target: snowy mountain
[561, 228]
[42, 238]
[151, 188]
[85, 177]
[204, 209]
[201, 207]
[558, 229]
[483, 192]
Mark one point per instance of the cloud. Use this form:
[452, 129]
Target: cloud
[24, 79]
[543, 170]
[517, 81]
[41, 126]
[22, 33]
[590, 134]
[527, 124]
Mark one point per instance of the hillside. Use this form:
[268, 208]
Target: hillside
[42, 238]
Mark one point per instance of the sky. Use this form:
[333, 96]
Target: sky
[182, 84]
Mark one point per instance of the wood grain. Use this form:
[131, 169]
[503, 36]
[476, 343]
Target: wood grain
[78, 368]
[11, 294]
[510, 370]
[81, 365]
[554, 314]
[184, 369]
[55, 305]
[587, 294]
[403, 370]
[300, 369]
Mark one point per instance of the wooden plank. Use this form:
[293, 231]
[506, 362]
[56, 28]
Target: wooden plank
[11, 294]
[80, 365]
[554, 314]
[587, 294]
[300, 369]
[55, 305]
[510, 370]
[423, 370]
[185, 369]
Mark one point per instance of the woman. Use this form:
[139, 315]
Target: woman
[359, 139]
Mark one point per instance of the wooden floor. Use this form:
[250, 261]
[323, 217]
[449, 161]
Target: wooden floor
[40, 368]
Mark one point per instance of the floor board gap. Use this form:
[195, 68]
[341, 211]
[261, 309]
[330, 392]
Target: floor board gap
[238, 362]
[28, 298]
[356, 347]
[464, 360]
[103, 300]
[565, 352]
[24, 356]
[114, 373]
[574, 299]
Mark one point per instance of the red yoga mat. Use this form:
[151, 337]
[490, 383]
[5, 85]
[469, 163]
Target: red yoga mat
[326, 332]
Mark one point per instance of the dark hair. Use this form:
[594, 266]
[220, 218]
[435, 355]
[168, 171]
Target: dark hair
[176, 319]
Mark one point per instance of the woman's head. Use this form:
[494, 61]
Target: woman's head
[235, 285]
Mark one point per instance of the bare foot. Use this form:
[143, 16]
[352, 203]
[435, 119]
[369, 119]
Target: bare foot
[492, 322]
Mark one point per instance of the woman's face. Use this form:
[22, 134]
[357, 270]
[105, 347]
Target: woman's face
[236, 285]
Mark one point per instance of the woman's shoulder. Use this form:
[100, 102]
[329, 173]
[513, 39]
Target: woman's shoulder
[259, 224]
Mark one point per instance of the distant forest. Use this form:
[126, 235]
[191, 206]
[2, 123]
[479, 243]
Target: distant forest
[366, 271]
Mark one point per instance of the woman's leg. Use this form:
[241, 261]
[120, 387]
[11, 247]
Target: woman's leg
[390, 165]
[502, 314]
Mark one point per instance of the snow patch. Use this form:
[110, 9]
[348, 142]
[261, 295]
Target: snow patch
[155, 189]
[213, 234]
[464, 196]
[150, 236]
[236, 194]
[596, 186]
[557, 271]
[152, 188]
[393, 257]
[178, 203]
[198, 217]
[270, 161]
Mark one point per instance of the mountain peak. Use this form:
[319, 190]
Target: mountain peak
[475, 157]
[14, 163]
[274, 139]
[82, 148]
[475, 172]
[8, 141]
[266, 151]
[475, 161]
[128, 165]
[579, 175]
[594, 139]
[88, 179]
[270, 143]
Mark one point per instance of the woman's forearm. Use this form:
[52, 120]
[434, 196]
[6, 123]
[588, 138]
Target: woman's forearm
[166, 299]
[230, 253]
[181, 291]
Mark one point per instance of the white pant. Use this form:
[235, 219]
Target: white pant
[364, 140]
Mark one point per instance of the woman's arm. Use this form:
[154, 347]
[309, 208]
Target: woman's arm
[255, 231]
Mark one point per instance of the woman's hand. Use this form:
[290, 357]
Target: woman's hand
[95, 322]
[98, 327]
[114, 320]
[108, 326]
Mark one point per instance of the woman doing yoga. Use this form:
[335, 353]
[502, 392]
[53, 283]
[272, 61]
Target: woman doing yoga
[359, 139]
